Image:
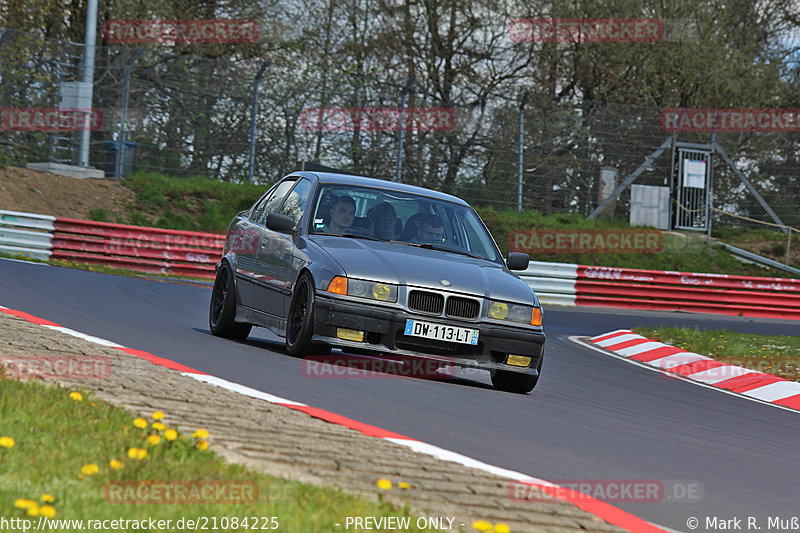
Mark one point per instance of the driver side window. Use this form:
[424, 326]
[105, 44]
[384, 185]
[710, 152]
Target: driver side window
[271, 203]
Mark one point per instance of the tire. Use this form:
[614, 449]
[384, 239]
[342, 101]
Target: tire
[514, 382]
[222, 309]
[299, 319]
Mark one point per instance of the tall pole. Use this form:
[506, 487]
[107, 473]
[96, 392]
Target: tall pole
[401, 137]
[521, 138]
[710, 190]
[251, 158]
[124, 119]
[88, 77]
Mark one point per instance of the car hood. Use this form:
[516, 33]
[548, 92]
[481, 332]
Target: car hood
[413, 266]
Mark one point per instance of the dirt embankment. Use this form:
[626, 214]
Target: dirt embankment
[49, 194]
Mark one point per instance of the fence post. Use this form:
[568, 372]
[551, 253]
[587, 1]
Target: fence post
[710, 195]
[124, 119]
[88, 77]
[400, 137]
[251, 157]
[521, 130]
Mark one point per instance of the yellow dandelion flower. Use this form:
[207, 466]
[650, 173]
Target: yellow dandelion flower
[170, 434]
[481, 525]
[158, 426]
[22, 503]
[33, 510]
[141, 454]
[200, 434]
[500, 527]
[6, 442]
[158, 415]
[405, 485]
[47, 511]
[132, 452]
[153, 440]
[47, 498]
[384, 484]
[77, 396]
[202, 445]
[90, 469]
[140, 423]
[116, 464]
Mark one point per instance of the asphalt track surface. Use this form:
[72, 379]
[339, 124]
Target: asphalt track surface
[592, 417]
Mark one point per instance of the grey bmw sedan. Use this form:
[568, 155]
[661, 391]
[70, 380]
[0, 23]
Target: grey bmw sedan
[381, 268]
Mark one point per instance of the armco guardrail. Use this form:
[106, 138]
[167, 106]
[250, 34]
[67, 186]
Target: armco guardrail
[152, 250]
[192, 253]
[26, 234]
[572, 284]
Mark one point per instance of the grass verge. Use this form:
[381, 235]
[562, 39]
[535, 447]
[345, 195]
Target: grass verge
[776, 355]
[66, 456]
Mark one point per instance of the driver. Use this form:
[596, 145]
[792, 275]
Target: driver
[342, 214]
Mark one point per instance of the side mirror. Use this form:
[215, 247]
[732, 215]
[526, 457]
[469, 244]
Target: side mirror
[518, 261]
[279, 223]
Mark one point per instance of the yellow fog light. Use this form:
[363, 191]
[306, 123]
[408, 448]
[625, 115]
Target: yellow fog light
[350, 334]
[518, 360]
[498, 310]
[381, 291]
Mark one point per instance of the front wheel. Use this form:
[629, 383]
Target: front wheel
[514, 382]
[299, 322]
[222, 310]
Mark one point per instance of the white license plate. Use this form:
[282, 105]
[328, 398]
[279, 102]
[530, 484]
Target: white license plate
[441, 332]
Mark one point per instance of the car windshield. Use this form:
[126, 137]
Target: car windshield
[401, 217]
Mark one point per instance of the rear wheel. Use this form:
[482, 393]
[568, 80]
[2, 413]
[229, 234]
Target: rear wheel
[514, 382]
[222, 310]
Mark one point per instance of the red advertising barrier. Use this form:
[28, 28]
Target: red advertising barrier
[151, 250]
[705, 293]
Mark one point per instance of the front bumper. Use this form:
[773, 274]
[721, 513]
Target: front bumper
[384, 329]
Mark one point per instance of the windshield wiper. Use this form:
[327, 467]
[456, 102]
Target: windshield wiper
[439, 247]
[350, 235]
[360, 236]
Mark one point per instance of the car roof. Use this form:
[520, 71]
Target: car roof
[327, 178]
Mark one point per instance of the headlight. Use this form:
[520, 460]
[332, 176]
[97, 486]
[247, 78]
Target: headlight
[523, 314]
[383, 292]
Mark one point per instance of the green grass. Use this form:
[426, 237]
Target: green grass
[681, 253]
[56, 436]
[194, 203]
[776, 355]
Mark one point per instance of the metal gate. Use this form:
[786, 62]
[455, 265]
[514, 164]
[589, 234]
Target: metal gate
[693, 188]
